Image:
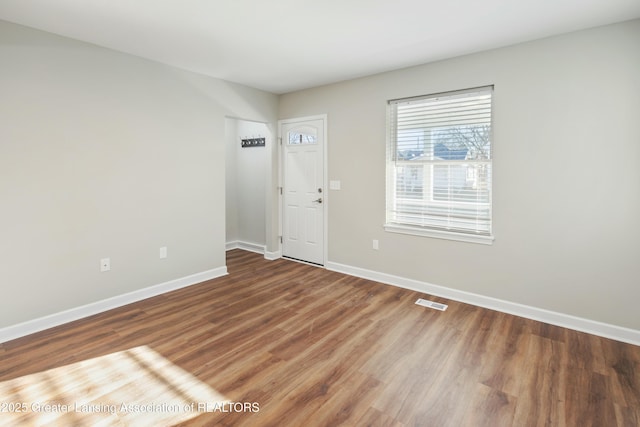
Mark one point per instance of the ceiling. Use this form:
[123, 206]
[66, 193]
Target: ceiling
[285, 45]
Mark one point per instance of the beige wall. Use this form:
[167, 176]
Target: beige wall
[231, 180]
[104, 154]
[566, 174]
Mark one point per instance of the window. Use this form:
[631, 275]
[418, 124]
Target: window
[439, 165]
[303, 135]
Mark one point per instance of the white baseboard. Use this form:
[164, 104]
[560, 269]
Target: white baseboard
[272, 255]
[253, 247]
[618, 333]
[246, 246]
[31, 326]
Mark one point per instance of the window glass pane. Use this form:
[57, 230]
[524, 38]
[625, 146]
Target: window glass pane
[412, 144]
[466, 142]
[461, 183]
[303, 135]
[409, 182]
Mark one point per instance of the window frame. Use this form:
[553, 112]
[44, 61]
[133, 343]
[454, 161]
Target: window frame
[392, 224]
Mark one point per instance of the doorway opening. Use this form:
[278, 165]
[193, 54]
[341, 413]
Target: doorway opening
[247, 168]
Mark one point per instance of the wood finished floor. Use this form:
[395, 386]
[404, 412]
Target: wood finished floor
[319, 348]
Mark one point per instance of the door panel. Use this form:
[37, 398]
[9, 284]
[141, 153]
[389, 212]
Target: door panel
[311, 232]
[292, 225]
[303, 190]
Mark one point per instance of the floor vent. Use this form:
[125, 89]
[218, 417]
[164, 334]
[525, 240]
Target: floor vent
[431, 304]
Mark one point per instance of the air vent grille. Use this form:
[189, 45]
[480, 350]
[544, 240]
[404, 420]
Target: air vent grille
[432, 304]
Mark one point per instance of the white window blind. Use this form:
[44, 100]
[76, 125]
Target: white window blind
[439, 163]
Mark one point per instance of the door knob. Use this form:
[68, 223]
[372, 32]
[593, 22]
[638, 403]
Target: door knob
[318, 201]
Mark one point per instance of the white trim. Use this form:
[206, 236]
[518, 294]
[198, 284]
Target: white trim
[438, 234]
[31, 326]
[325, 171]
[247, 246]
[272, 255]
[606, 330]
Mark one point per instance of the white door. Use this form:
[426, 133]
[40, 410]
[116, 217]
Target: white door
[303, 190]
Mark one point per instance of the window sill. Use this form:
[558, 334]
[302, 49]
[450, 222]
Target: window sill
[438, 234]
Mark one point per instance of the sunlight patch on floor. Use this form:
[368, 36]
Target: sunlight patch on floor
[134, 387]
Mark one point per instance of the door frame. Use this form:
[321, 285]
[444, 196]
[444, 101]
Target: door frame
[325, 184]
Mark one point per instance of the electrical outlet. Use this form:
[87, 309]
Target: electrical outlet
[376, 245]
[163, 252]
[105, 264]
